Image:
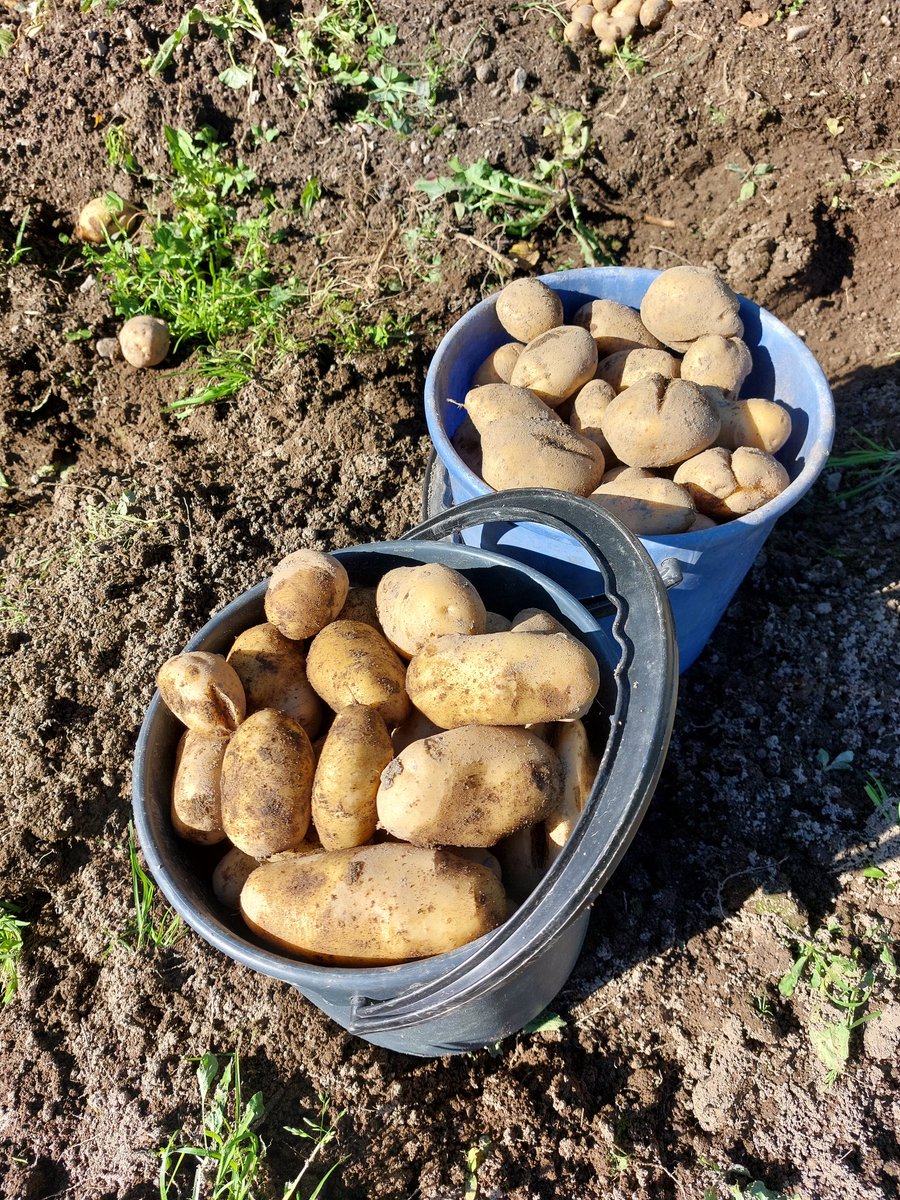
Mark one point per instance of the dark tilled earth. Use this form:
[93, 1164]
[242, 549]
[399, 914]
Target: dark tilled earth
[680, 1071]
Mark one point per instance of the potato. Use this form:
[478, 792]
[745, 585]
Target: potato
[203, 692]
[533, 452]
[526, 308]
[360, 606]
[469, 787]
[501, 401]
[425, 601]
[272, 670]
[762, 424]
[573, 33]
[144, 341]
[476, 854]
[498, 366]
[557, 364]
[579, 764]
[467, 444]
[586, 417]
[230, 875]
[267, 778]
[307, 590]
[652, 13]
[196, 792]
[352, 663]
[524, 859]
[726, 484]
[686, 303]
[535, 620]
[356, 751]
[413, 729]
[645, 503]
[99, 220]
[503, 679]
[583, 14]
[660, 422]
[718, 362]
[627, 367]
[372, 906]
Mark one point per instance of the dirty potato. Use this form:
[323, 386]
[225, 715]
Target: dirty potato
[501, 401]
[557, 364]
[426, 601]
[352, 663]
[356, 751]
[647, 504]
[579, 765]
[498, 366]
[761, 424]
[660, 422]
[196, 789]
[686, 303]
[615, 327]
[307, 590]
[726, 484]
[717, 362]
[526, 308]
[272, 669]
[535, 452]
[203, 692]
[628, 367]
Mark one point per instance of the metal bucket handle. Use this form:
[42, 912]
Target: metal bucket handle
[646, 684]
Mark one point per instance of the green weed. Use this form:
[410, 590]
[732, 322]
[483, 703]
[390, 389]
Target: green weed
[629, 60]
[869, 465]
[884, 168]
[475, 1156]
[8, 39]
[749, 176]
[569, 131]
[19, 249]
[11, 946]
[240, 17]
[840, 762]
[886, 803]
[320, 1131]
[789, 10]
[119, 153]
[142, 930]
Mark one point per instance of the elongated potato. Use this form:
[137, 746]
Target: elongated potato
[272, 670]
[503, 679]
[497, 401]
[498, 366]
[526, 308]
[760, 424]
[557, 364]
[469, 787]
[646, 503]
[352, 663]
[586, 417]
[614, 327]
[356, 751]
[425, 601]
[196, 789]
[579, 764]
[660, 422]
[307, 590]
[203, 692]
[533, 452]
[267, 777]
[373, 905]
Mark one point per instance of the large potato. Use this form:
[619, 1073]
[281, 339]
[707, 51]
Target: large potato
[272, 669]
[503, 679]
[352, 663]
[526, 308]
[717, 361]
[614, 327]
[499, 401]
[356, 751]
[534, 452]
[267, 778]
[557, 364]
[762, 424]
[373, 905]
[645, 503]
[686, 303]
[726, 484]
[196, 789]
[660, 422]
[307, 590]
[203, 692]
[469, 787]
[425, 601]
[579, 764]
[498, 366]
[628, 367]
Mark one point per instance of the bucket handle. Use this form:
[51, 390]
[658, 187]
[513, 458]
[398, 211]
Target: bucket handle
[646, 688]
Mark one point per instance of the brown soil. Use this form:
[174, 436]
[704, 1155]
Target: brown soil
[679, 1060]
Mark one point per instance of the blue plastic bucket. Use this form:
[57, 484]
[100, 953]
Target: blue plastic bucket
[712, 562]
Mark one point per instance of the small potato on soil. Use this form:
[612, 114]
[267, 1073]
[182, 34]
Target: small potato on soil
[272, 669]
[144, 341]
[307, 590]
[527, 308]
[726, 484]
[99, 220]
[557, 364]
[356, 751]
[203, 692]
[660, 422]
[426, 601]
[498, 366]
[686, 303]
[196, 790]
[645, 503]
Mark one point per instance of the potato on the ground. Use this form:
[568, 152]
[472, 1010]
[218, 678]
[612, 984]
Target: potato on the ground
[373, 905]
[100, 219]
[356, 751]
[579, 764]
[627, 367]
[469, 787]
[526, 308]
[761, 424]
[502, 401]
[203, 692]
[615, 327]
[726, 484]
[351, 663]
[503, 679]
[524, 859]
[267, 778]
[660, 422]
[645, 503]
[426, 601]
[717, 361]
[557, 364]
[196, 789]
[144, 341]
[307, 590]
[498, 366]
[534, 452]
[272, 669]
[686, 303]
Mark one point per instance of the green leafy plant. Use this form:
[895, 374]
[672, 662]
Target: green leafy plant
[19, 249]
[320, 1130]
[11, 946]
[749, 177]
[789, 10]
[475, 1156]
[869, 465]
[142, 930]
[570, 132]
[119, 152]
[240, 17]
[7, 40]
[840, 762]
[629, 60]
[884, 168]
[886, 803]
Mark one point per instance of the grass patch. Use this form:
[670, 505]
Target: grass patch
[142, 929]
[11, 946]
[868, 465]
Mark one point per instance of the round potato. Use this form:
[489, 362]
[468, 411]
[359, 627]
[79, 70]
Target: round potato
[272, 669]
[614, 327]
[660, 422]
[100, 219]
[761, 424]
[307, 590]
[534, 452]
[267, 778]
[203, 692]
[586, 417]
[579, 764]
[144, 341]
[498, 366]
[469, 787]
[557, 364]
[501, 401]
[717, 362]
[425, 601]
[726, 484]
[645, 503]
[503, 679]
[352, 663]
[196, 789]
[360, 606]
[628, 367]
[526, 308]
[373, 905]
[686, 303]
[356, 751]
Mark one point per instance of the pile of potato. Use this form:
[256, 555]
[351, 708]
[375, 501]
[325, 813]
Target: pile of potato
[612, 21]
[448, 731]
[637, 411]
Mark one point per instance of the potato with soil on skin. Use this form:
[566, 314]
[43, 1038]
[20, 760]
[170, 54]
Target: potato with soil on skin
[360, 606]
[267, 778]
[719, 362]
[306, 591]
[100, 219]
[428, 600]
[536, 620]
[526, 308]
[356, 751]
[579, 764]
[645, 503]
[686, 303]
[628, 367]
[415, 728]
[586, 417]
[660, 422]
[557, 364]
[503, 679]
[535, 452]
[351, 663]
[760, 424]
[196, 809]
[470, 786]
[203, 692]
[373, 905]
[272, 670]
[726, 484]
[615, 327]
[496, 623]
[144, 341]
[230, 875]
[498, 366]
[502, 401]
